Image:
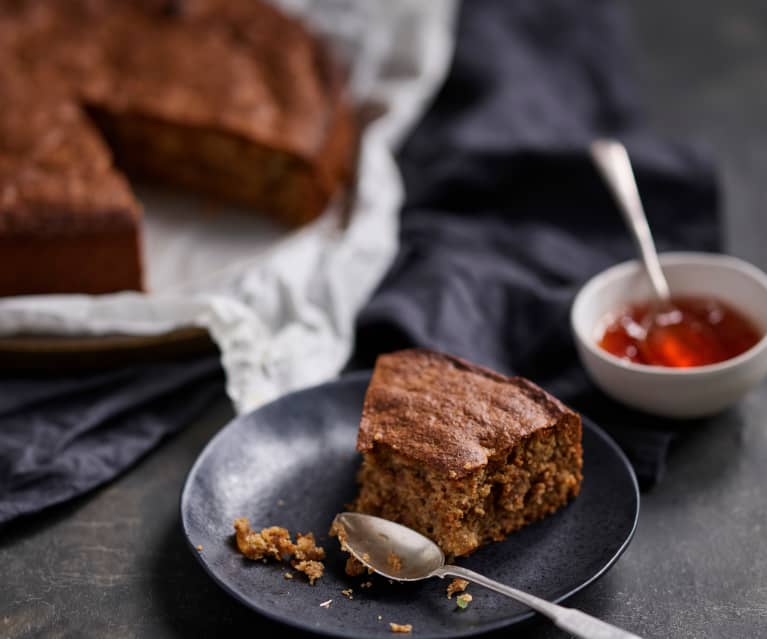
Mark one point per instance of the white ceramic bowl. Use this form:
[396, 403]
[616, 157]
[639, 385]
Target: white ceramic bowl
[673, 392]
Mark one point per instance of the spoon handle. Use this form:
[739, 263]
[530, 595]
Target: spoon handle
[612, 160]
[569, 619]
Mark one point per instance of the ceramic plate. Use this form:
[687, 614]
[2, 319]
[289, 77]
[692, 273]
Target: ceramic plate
[292, 463]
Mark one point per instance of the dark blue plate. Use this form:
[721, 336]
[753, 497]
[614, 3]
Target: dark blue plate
[292, 463]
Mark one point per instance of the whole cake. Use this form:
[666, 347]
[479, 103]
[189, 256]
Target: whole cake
[460, 453]
[231, 98]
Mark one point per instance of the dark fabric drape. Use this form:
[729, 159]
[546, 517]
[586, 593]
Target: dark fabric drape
[506, 217]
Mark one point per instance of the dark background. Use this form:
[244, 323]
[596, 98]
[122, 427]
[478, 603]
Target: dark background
[114, 563]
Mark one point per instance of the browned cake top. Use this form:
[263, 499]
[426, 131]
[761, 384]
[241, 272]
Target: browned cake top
[449, 414]
[56, 173]
[239, 66]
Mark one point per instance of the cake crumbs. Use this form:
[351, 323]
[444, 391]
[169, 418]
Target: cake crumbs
[380, 617]
[275, 543]
[457, 585]
[326, 604]
[366, 584]
[199, 548]
[354, 567]
[398, 627]
[348, 593]
[306, 548]
[311, 568]
[337, 530]
[462, 601]
[394, 562]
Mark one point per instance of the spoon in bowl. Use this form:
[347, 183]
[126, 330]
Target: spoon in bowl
[372, 541]
[666, 334]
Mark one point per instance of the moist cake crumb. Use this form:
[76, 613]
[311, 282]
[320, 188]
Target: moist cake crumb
[275, 543]
[463, 600]
[306, 548]
[457, 585]
[397, 627]
[354, 567]
[337, 530]
[311, 568]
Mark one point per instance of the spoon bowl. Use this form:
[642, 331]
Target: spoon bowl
[371, 540]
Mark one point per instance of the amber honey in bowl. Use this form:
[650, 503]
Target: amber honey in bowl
[687, 332]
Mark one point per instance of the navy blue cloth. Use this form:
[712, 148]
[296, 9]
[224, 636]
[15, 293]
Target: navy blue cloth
[61, 437]
[506, 217]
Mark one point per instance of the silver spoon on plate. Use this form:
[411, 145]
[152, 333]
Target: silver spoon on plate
[372, 540]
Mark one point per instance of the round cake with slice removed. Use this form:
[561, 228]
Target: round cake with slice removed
[231, 98]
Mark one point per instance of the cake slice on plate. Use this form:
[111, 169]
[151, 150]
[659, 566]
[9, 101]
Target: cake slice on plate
[460, 453]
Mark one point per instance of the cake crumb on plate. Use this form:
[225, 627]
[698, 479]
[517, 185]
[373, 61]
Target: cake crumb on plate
[311, 568]
[275, 543]
[457, 585]
[462, 601]
[397, 627]
[354, 567]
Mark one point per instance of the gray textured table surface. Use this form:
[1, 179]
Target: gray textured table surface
[114, 563]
